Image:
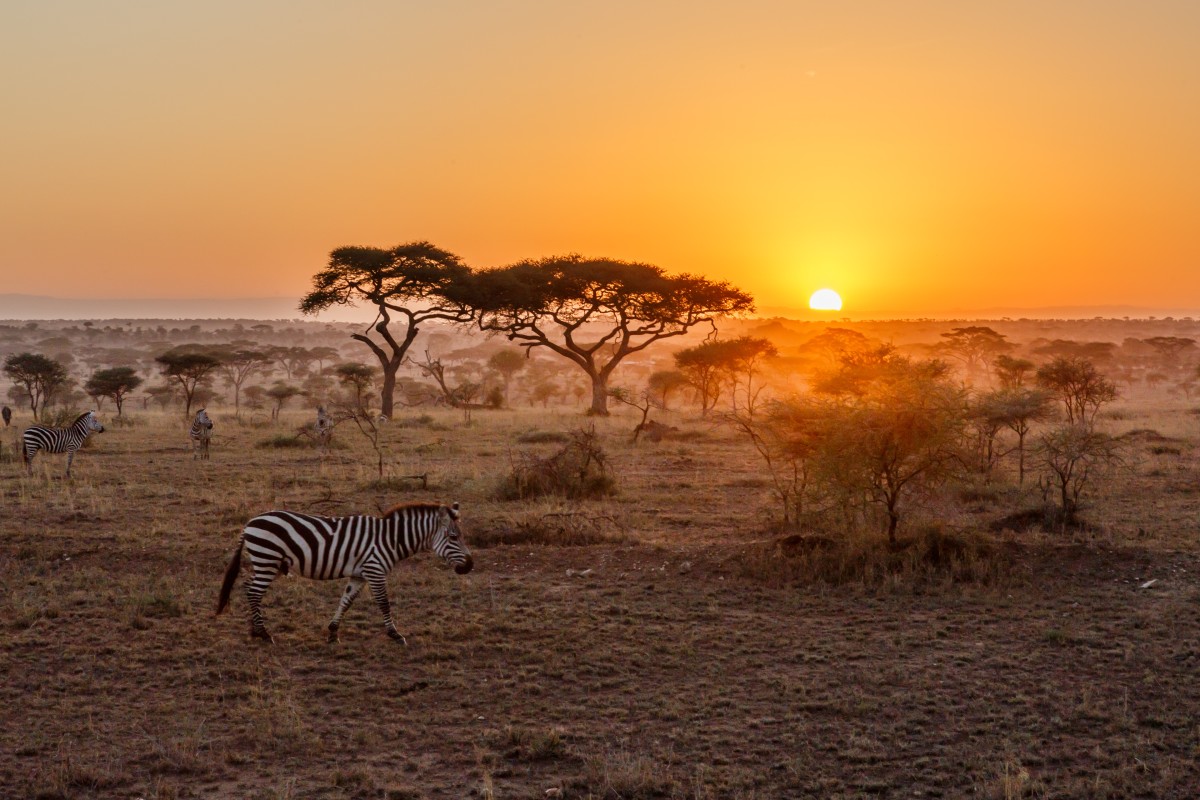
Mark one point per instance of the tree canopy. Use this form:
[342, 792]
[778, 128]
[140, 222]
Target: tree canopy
[594, 311]
[40, 375]
[115, 383]
[409, 281]
[188, 366]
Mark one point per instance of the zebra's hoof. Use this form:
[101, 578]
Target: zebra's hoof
[261, 633]
[333, 634]
[397, 637]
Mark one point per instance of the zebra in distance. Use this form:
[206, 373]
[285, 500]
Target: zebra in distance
[362, 548]
[324, 428]
[59, 440]
[6, 412]
[200, 433]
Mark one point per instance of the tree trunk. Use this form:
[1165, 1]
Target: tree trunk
[387, 393]
[599, 395]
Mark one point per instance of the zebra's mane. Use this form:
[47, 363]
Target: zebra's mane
[396, 509]
[81, 417]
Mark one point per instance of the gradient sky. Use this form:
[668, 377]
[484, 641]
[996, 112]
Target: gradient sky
[915, 156]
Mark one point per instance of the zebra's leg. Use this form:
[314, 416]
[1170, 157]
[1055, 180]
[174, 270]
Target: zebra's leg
[70, 458]
[256, 587]
[378, 583]
[352, 589]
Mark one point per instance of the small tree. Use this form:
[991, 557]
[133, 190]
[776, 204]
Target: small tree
[187, 366]
[280, 392]
[975, 346]
[789, 438]
[663, 382]
[507, 363]
[40, 376]
[1018, 410]
[1074, 454]
[894, 431]
[1079, 386]
[1012, 372]
[113, 383]
[239, 365]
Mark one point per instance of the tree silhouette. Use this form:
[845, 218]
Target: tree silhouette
[39, 375]
[594, 312]
[975, 346]
[407, 281]
[115, 383]
[1079, 386]
[188, 367]
[239, 365]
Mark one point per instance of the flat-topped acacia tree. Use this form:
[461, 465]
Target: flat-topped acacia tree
[594, 311]
[406, 281]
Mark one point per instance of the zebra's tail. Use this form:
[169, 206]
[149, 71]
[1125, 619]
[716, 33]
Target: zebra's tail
[231, 573]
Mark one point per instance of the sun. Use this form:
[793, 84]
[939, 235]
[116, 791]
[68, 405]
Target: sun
[825, 300]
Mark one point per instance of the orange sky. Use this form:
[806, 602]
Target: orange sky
[918, 157]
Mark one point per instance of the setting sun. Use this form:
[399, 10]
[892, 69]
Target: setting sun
[825, 300]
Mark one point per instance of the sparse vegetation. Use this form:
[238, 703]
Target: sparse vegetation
[674, 641]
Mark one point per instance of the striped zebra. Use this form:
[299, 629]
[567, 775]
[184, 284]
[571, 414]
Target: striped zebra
[324, 428]
[362, 548]
[200, 433]
[59, 440]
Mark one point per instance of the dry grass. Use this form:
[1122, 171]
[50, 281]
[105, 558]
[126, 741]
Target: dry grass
[654, 644]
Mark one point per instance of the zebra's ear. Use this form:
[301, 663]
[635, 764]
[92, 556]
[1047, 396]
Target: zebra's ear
[454, 511]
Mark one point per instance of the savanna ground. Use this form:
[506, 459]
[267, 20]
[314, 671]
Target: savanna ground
[656, 643]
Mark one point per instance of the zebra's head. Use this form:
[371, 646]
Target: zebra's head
[90, 422]
[202, 419]
[448, 540]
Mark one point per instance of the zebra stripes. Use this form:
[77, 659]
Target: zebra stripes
[200, 433]
[59, 440]
[361, 548]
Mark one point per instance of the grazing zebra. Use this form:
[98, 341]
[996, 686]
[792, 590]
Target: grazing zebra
[324, 427]
[362, 548]
[59, 440]
[200, 434]
[6, 412]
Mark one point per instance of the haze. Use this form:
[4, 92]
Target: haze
[915, 157]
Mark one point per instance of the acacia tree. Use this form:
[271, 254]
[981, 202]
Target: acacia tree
[508, 363]
[115, 383]
[1079, 386]
[594, 312]
[975, 346]
[239, 365]
[893, 430]
[40, 375]
[407, 281]
[280, 392]
[188, 367]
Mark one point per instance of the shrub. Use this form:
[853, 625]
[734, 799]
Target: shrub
[928, 557]
[579, 470]
[543, 437]
[283, 440]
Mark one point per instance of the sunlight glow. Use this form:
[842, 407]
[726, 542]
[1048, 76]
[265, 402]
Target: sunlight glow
[825, 300]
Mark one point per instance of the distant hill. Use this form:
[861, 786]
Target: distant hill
[30, 307]
[25, 306]
[997, 312]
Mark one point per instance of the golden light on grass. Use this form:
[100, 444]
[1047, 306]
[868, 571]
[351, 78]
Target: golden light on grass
[825, 300]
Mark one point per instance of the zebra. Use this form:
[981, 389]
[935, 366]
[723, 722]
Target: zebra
[200, 433]
[6, 412]
[59, 440]
[362, 548]
[324, 428]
